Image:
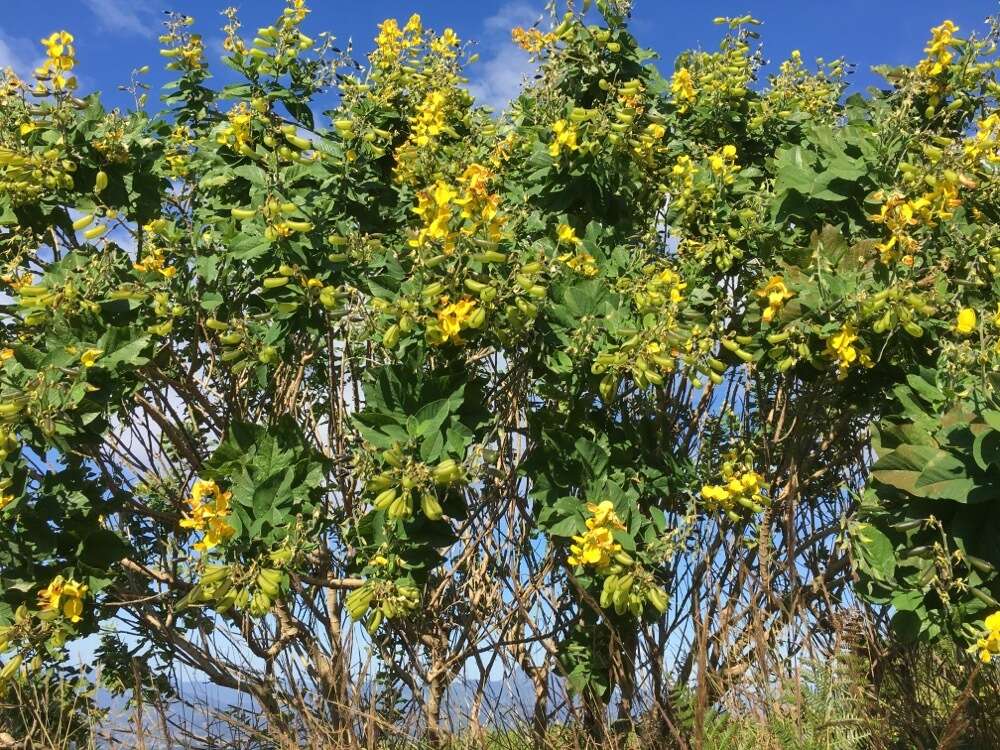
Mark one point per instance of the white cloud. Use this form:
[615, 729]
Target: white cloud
[125, 16]
[496, 79]
[18, 53]
[509, 16]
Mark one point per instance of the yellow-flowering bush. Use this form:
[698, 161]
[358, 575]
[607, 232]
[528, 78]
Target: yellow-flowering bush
[267, 371]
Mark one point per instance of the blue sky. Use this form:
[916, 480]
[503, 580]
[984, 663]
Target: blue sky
[115, 36]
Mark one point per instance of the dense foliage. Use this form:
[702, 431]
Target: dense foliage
[257, 357]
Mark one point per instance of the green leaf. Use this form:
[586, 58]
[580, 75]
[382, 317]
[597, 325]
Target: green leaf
[943, 478]
[595, 457]
[432, 417]
[876, 551]
[249, 247]
[7, 215]
[101, 549]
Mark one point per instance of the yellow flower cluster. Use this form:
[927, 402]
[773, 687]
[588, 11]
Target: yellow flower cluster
[984, 146]
[434, 207]
[565, 138]
[154, 261]
[445, 45]
[64, 596]
[453, 317]
[430, 119]
[111, 142]
[682, 174]
[8, 446]
[777, 294]
[449, 213]
[209, 515]
[59, 61]
[154, 258]
[392, 41]
[417, 72]
[842, 348]
[532, 40]
[597, 547]
[740, 486]
[581, 262]
[990, 645]
[566, 235]
[682, 88]
[899, 214]
[233, 42]
[237, 132]
[478, 205]
[938, 49]
[723, 163]
[662, 286]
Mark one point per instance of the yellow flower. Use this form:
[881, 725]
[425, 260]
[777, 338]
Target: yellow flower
[582, 263]
[841, 345]
[90, 357]
[61, 59]
[216, 531]
[841, 348]
[209, 511]
[531, 40]
[776, 294]
[740, 486]
[236, 133]
[414, 25]
[597, 546]
[966, 321]
[714, 492]
[566, 234]
[443, 193]
[58, 44]
[155, 259]
[723, 163]
[430, 120]
[7, 352]
[63, 595]
[984, 146]
[452, 318]
[682, 87]
[990, 645]
[603, 514]
[993, 621]
[434, 206]
[939, 56]
[565, 138]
